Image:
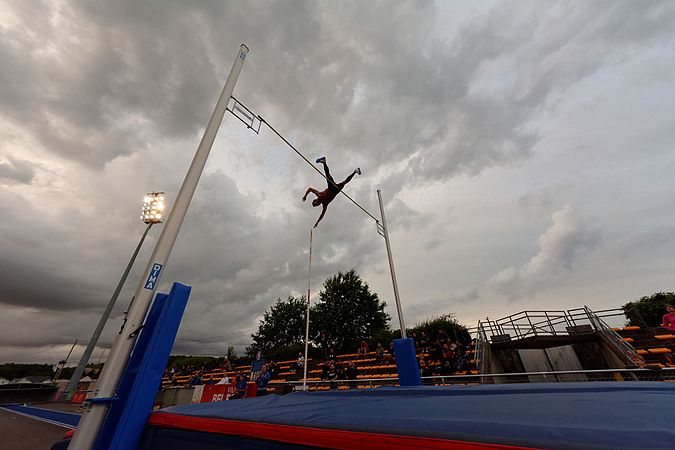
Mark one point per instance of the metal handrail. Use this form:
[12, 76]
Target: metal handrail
[535, 323]
[613, 339]
[665, 371]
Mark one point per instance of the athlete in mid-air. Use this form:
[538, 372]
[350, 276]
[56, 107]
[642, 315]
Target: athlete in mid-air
[325, 197]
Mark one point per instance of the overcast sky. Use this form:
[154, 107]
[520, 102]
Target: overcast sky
[524, 150]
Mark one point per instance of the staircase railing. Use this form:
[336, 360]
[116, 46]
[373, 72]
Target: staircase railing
[612, 338]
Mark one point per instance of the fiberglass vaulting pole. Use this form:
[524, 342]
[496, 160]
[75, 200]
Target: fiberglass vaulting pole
[385, 234]
[309, 280]
[95, 412]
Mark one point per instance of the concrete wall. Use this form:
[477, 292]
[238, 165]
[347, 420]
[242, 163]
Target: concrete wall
[175, 396]
[551, 360]
[534, 360]
[565, 358]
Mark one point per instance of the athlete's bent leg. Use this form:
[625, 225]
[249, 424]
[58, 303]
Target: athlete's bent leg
[349, 178]
[327, 172]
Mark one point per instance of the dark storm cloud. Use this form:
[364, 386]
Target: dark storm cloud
[101, 88]
[382, 88]
[16, 170]
[433, 307]
[32, 271]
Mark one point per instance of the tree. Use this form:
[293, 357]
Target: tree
[347, 312]
[445, 322]
[283, 325]
[231, 354]
[648, 311]
[17, 370]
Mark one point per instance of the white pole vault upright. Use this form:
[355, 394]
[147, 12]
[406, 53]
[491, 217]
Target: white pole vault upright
[94, 414]
[384, 231]
[309, 281]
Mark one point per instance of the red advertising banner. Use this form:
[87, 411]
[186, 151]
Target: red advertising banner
[217, 392]
[78, 397]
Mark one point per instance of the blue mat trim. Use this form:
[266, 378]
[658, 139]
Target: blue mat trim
[60, 418]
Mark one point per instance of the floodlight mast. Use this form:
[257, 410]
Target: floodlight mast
[153, 205]
[95, 411]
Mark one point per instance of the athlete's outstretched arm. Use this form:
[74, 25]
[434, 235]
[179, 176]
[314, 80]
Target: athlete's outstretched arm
[321, 216]
[312, 190]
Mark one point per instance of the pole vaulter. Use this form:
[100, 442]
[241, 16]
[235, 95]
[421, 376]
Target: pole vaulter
[254, 122]
[326, 196]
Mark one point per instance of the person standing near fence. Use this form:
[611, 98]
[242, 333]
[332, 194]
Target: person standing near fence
[669, 318]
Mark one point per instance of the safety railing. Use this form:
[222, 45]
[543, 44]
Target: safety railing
[618, 375]
[611, 338]
[545, 323]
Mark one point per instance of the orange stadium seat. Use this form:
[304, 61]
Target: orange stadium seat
[664, 337]
[660, 350]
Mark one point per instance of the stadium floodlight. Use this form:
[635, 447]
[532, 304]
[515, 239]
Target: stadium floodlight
[153, 206]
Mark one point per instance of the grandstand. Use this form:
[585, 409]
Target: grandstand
[371, 373]
[529, 342]
[652, 343]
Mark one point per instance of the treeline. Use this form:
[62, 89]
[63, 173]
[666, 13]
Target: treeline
[14, 370]
[648, 311]
[345, 314]
[207, 362]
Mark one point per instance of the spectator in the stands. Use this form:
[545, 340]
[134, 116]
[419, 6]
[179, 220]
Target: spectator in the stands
[174, 381]
[447, 352]
[241, 386]
[272, 368]
[363, 349]
[331, 374]
[300, 363]
[435, 351]
[324, 343]
[227, 367]
[391, 349]
[669, 318]
[461, 362]
[352, 373]
[423, 342]
[379, 353]
[224, 380]
[331, 356]
[425, 370]
[446, 367]
[442, 337]
[324, 370]
[196, 380]
[210, 380]
[263, 380]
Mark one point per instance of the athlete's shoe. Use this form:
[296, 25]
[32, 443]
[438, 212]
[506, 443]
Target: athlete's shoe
[358, 170]
[321, 160]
